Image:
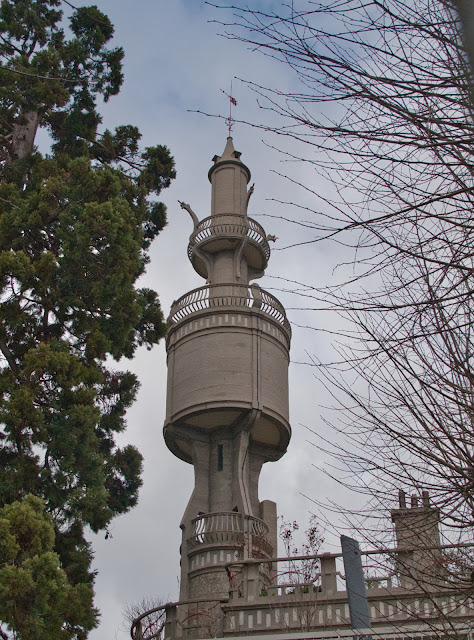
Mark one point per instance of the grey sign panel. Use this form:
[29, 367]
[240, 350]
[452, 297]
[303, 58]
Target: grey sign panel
[355, 586]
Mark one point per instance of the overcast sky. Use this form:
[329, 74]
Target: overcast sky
[175, 63]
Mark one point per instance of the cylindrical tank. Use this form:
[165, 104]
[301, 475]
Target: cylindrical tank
[224, 360]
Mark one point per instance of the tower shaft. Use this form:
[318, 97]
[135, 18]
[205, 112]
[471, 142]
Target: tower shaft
[227, 399]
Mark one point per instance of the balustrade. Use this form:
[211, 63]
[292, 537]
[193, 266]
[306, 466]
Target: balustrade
[232, 226]
[228, 528]
[229, 295]
[324, 612]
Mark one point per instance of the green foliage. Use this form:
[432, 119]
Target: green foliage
[37, 600]
[75, 226]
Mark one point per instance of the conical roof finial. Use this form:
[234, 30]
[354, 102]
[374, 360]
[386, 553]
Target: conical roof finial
[229, 155]
[229, 152]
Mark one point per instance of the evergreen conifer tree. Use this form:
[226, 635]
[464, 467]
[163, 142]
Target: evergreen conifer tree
[75, 226]
[37, 600]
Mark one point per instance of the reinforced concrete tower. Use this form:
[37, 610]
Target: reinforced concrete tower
[227, 403]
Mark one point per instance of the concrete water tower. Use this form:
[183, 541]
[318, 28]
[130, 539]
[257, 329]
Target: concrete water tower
[227, 402]
[227, 414]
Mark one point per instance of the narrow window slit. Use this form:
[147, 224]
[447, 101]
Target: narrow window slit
[220, 457]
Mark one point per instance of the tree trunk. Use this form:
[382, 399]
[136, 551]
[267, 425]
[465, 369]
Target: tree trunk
[23, 136]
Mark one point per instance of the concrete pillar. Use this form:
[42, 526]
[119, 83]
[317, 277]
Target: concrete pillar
[328, 574]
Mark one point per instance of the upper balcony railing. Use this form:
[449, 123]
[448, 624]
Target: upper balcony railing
[229, 295]
[229, 225]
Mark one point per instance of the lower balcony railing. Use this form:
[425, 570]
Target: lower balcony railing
[230, 528]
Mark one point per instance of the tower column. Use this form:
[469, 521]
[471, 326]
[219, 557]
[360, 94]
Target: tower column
[227, 403]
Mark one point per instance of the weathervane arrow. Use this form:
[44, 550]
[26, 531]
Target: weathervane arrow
[232, 101]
